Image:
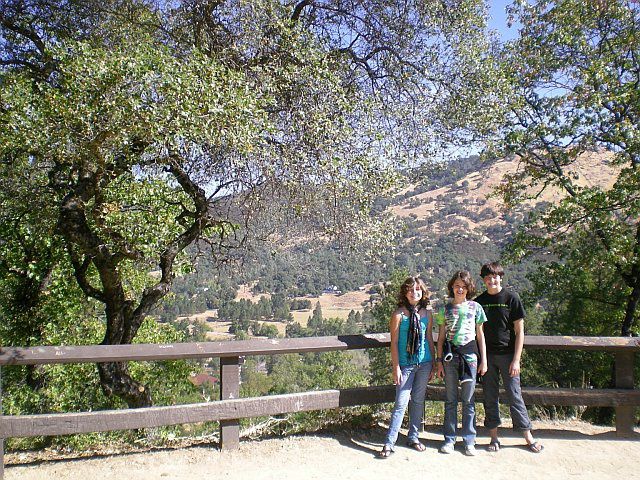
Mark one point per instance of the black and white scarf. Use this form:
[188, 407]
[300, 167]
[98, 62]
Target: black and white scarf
[414, 336]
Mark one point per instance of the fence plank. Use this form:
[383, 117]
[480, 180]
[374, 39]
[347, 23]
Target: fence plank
[554, 342]
[85, 422]
[586, 397]
[182, 351]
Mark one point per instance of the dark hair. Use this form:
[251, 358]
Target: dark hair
[466, 278]
[493, 268]
[408, 285]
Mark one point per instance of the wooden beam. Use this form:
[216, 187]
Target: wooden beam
[558, 396]
[230, 389]
[625, 415]
[2, 437]
[183, 351]
[85, 422]
[556, 342]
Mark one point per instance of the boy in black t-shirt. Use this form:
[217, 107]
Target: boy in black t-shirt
[504, 337]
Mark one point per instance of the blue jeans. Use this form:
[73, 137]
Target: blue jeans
[467, 389]
[411, 391]
[498, 366]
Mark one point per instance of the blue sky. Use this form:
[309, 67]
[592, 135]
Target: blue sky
[498, 19]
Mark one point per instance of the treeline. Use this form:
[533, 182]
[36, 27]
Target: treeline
[277, 308]
[318, 326]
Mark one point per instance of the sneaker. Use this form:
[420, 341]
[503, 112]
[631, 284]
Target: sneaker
[470, 451]
[446, 448]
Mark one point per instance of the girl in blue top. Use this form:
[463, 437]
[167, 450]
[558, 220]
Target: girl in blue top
[411, 357]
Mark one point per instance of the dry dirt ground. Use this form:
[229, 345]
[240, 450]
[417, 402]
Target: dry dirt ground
[572, 450]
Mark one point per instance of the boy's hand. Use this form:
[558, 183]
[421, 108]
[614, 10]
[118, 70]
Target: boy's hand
[482, 368]
[514, 368]
[440, 370]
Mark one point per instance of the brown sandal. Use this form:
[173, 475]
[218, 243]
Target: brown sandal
[494, 446]
[385, 452]
[535, 447]
[417, 446]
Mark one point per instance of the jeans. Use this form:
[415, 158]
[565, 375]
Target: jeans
[411, 391]
[467, 389]
[498, 365]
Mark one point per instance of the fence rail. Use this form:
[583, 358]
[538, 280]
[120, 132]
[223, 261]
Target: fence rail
[229, 409]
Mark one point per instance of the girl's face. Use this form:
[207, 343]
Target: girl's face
[459, 291]
[414, 294]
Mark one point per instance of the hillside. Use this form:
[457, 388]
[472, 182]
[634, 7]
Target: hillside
[475, 208]
[447, 221]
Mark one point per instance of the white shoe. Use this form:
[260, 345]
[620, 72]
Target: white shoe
[446, 448]
[470, 451]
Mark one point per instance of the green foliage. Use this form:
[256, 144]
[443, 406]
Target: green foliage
[574, 95]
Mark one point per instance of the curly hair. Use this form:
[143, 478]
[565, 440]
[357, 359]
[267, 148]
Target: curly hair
[408, 285]
[468, 282]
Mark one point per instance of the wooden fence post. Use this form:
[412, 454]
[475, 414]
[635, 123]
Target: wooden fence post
[229, 388]
[1, 438]
[625, 416]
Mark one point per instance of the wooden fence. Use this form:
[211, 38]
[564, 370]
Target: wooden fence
[231, 408]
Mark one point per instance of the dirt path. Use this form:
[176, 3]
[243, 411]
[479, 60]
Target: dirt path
[572, 450]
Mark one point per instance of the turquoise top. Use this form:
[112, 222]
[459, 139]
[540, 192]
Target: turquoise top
[422, 356]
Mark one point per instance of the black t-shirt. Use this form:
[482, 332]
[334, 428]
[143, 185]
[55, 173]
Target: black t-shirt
[502, 310]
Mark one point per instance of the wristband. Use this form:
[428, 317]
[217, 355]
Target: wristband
[439, 359]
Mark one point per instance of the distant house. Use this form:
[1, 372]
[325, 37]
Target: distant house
[332, 289]
[201, 378]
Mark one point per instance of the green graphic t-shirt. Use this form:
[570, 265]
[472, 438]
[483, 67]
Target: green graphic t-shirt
[460, 321]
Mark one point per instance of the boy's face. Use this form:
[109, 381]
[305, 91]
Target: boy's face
[493, 283]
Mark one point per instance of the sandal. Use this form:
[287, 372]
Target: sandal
[494, 446]
[417, 446]
[535, 447]
[385, 452]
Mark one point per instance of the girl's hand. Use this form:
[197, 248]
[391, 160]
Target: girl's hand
[440, 370]
[482, 368]
[432, 373]
[397, 375]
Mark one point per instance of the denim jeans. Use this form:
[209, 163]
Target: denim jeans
[467, 389]
[411, 391]
[497, 366]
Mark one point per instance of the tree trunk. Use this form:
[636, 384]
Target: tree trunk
[115, 380]
[630, 311]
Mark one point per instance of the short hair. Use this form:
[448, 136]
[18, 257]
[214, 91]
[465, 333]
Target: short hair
[465, 276]
[492, 268]
[408, 285]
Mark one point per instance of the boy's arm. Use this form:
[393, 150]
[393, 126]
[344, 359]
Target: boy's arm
[482, 367]
[518, 328]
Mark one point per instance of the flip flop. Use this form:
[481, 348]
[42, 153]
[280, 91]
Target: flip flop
[535, 447]
[417, 446]
[386, 452]
[494, 446]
